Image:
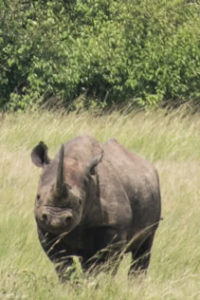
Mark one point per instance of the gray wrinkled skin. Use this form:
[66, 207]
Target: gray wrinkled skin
[94, 196]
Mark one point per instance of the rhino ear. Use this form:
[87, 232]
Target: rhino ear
[90, 169]
[39, 155]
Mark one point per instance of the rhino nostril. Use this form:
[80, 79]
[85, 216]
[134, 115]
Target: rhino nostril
[68, 219]
[44, 217]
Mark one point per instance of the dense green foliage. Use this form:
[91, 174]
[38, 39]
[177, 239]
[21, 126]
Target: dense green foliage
[132, 51]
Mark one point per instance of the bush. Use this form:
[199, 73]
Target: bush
[137, 52]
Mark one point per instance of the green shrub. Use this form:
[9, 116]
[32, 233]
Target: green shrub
[137, 52]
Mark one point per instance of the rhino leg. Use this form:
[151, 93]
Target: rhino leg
[57, 253]
[141, 255]
[65, 269]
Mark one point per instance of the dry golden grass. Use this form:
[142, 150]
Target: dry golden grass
[171, 141]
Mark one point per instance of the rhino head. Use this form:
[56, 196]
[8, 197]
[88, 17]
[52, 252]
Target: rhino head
[62, 190]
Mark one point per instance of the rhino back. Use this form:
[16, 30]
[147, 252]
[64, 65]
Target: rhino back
[82, 148]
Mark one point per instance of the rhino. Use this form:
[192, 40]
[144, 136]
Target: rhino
[96, 202]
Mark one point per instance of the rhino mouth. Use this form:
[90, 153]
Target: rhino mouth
[55, 220]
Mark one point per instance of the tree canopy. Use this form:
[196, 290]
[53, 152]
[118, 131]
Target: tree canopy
[141, 52]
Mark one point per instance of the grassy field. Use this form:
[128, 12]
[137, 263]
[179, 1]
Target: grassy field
[171, 141]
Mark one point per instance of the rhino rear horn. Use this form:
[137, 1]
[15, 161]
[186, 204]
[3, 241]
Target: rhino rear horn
[90, 169]
[39, 155]
[60, 180]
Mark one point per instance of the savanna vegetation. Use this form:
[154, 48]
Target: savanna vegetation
[84, 53]
[88, 55]
[171, 141]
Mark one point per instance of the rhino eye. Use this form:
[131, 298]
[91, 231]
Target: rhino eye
[38, 197]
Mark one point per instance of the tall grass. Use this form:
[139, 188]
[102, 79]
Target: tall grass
[170, 141]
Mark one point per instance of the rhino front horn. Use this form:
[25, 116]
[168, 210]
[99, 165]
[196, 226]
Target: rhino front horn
[60, 182]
